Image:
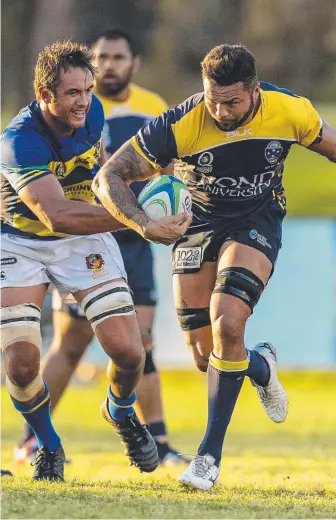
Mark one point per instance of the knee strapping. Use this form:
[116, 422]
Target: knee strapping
[191, 319]
[20, 323]
[112, 299]
[27, 393]
[149, 367]
[241, 283]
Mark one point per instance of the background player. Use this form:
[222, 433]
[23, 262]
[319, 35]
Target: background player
[234, 138]
[127, 107]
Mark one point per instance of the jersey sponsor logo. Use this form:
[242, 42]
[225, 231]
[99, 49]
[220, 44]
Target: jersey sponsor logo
[237, 187]
[187, 258]
[273, 151]
[204, 162]
[261, 239]
[239, 133]
[8, 262]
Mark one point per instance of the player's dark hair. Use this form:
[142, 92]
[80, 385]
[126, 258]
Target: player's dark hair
[228, 64]
[59, 56]
[118, 34]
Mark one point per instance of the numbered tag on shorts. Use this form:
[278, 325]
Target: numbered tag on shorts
[187, 258]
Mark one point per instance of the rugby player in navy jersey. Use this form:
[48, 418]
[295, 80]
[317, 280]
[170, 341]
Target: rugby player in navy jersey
[127, 107]
[231, 142]
[53, 231]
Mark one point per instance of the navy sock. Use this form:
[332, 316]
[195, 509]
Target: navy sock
[225, 379]
[118, 408]
[258, 368]
[37, 416]
[157, 429]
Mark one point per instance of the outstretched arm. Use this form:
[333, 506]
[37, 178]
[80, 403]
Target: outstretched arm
[111, 187]
[327, 146]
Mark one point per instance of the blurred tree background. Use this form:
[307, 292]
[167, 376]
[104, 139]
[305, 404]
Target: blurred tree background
[294, 42]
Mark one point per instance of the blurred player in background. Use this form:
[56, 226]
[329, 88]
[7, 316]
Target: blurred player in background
[233, 140]
[127, 107]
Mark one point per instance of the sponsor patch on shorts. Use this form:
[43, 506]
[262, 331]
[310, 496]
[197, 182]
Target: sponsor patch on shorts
[187, 258]
[261, 239]
[8, 261]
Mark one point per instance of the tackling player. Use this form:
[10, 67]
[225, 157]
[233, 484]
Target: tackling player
[127, 107]
[48, 158]
[233, 140]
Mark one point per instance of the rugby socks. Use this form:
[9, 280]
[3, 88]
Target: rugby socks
[157, 429]
[225, 379]
[118, 408]
[258, 368]
[37, 416]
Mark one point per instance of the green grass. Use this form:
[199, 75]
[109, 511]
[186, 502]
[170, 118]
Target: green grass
[268, 470]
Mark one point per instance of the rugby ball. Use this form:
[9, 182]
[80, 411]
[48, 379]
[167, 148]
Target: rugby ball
[165, 196]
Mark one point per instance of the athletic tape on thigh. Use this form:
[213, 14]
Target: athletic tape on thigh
[27, 393]
[20, 323]
[112, 299]
[241, 283]
[191, 319]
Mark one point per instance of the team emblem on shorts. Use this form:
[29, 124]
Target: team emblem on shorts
[204, 162]
[273, 151]
[94, 261]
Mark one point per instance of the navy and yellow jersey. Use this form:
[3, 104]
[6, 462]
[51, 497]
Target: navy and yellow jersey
[30, 150]
[123, 119]
[237, 172]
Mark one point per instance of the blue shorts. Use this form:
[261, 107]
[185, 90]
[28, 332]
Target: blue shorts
[138, 260]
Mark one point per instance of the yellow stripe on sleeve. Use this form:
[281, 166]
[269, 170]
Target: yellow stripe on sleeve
[140, 152]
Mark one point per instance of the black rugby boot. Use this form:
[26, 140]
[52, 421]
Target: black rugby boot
[49, 465]
[140, 445]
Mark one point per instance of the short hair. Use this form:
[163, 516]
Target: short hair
[118, 34]
[228, 64]
[58, 56]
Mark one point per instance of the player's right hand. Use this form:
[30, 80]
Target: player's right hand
[168, 229]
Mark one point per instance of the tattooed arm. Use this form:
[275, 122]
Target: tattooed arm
[111, 187]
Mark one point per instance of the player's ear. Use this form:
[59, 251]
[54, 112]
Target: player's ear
[136, 64]
[45, 95]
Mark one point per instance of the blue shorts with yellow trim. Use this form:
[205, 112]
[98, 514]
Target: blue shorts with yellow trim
[261, 230]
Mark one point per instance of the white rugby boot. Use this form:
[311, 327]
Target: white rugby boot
[273, 397]
[201, 473]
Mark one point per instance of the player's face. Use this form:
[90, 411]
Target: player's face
[72, 99]
[115, 66]
[230, 106]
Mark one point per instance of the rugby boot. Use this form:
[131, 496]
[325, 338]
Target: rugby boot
[49, 465]
[273, 396]
[27, 451]
[170, 457]
[202, 473]
[140, 445]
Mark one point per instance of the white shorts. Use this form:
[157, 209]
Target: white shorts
[70, 264]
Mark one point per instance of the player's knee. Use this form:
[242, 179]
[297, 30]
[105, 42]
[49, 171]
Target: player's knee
[192, 319]
[24, 390]
[229, 328]
[240, 283]
[129, 356]
[149, 366]
[147, 339]
[111, 299]
[21, 342]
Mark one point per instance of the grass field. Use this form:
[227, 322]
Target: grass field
[268, 470]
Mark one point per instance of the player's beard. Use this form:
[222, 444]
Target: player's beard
[113, 89]
[253, 108]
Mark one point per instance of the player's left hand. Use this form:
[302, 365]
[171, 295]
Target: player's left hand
[168, 229]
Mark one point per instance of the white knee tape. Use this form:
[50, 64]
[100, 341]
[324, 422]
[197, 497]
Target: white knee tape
[27, 393]
[112, 299]
[20, 323]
